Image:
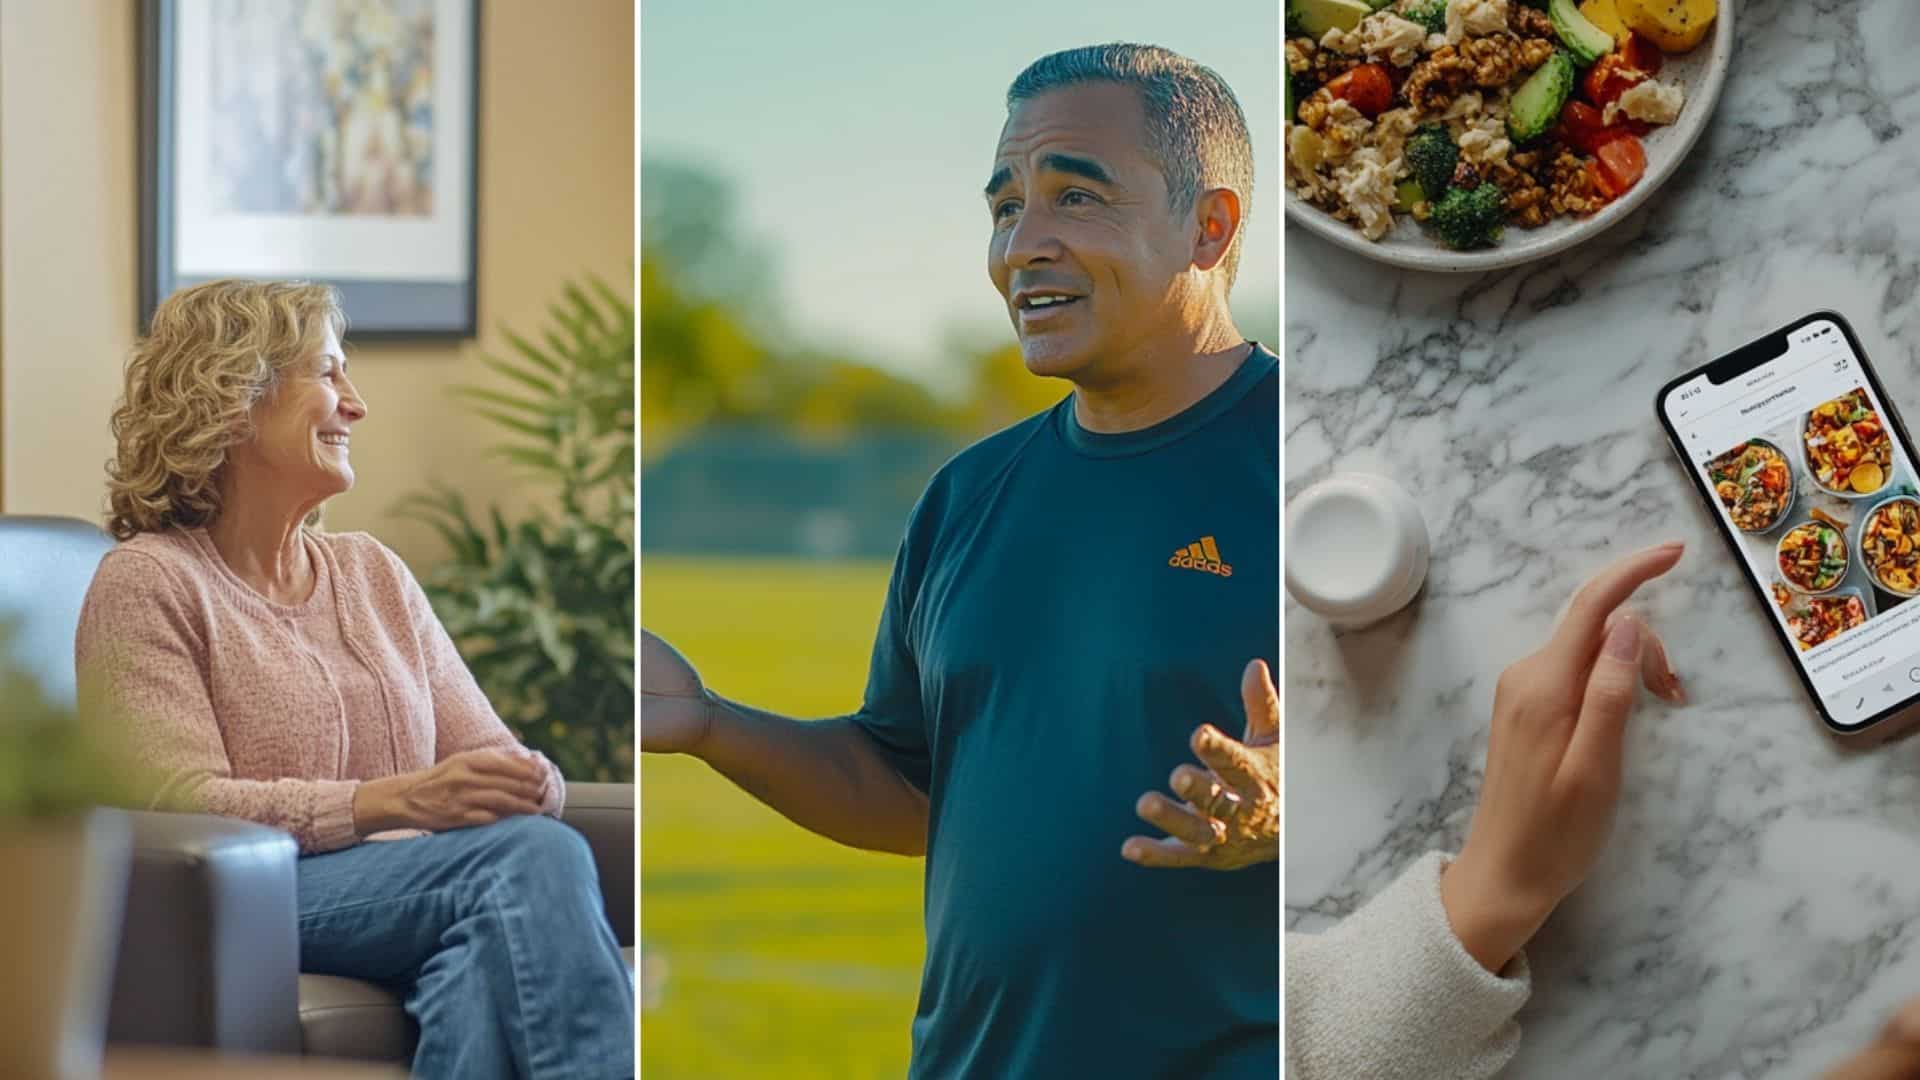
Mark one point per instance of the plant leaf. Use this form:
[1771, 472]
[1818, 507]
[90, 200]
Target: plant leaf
[544, 433]
[525, 378]
[496, 397]
[533, 354]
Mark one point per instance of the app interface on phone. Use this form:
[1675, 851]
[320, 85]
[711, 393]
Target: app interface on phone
[1820, 496]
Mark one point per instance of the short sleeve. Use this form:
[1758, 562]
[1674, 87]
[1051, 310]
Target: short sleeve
[892, 713]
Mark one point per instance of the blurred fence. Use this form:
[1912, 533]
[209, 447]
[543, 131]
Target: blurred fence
[748, 491]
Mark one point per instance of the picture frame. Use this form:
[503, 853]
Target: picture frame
[315, 140]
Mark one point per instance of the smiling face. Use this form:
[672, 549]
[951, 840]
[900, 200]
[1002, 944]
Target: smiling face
[1086, 251]
[301, 428]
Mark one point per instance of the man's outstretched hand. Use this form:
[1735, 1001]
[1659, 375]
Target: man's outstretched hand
[675, 709]
[1231, 816]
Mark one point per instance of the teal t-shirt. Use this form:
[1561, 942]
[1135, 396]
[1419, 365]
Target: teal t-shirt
[1067, 606]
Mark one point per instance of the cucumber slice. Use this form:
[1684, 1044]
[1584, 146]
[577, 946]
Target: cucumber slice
[1316, 17]
[1584, 40]
[1536, 105]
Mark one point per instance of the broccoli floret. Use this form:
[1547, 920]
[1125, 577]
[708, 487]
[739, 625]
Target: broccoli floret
[1431, 14]
[1431, 157]
[1470, 218]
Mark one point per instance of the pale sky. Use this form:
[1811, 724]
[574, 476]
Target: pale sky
[859, 135]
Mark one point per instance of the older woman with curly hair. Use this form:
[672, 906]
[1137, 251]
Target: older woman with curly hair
[298, 678]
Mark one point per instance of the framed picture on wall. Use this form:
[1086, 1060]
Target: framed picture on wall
[324, 140]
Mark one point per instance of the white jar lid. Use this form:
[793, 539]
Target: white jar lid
[1357, 548]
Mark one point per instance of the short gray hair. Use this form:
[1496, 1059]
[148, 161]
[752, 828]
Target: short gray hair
[1195, 128]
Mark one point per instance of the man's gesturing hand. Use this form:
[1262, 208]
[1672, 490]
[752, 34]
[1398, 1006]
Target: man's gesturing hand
[1231, 816]
[675, 710]
[1554, 763]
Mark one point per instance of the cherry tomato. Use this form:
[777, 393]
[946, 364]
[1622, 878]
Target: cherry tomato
[1607, 79]
[1581, 128]
[1622, 161]
[1642, 55]
[1599, 178]
[1368, 88]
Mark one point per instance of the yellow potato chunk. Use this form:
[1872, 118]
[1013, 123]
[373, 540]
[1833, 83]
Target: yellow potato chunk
[1604, 15]
[1676, 26]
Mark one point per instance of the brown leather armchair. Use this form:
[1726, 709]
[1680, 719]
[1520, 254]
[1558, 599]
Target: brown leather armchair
[209, 953]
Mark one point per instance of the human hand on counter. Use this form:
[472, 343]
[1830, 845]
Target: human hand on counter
[1231, 816]
[1554, 757]
[1893, 1055]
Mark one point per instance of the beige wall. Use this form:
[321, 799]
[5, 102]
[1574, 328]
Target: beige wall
[556, 199]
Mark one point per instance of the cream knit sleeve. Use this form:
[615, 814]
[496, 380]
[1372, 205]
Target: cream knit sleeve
[1390, 993]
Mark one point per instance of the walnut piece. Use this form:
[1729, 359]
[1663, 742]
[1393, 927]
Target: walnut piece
[1530, 23]
[1300, 55]
[1313, 111]
[1437, 80]
[1571, 189]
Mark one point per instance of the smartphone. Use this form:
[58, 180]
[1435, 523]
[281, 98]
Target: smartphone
[1809, 471]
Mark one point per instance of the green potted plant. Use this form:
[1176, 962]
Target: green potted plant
[65, 862]
[542, 607]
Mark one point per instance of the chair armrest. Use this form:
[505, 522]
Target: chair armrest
[604, 815]
[210, 952]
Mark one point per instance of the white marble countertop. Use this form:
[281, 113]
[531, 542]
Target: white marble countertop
[1758, 911]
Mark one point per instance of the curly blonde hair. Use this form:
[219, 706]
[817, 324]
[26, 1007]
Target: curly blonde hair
[211, 354]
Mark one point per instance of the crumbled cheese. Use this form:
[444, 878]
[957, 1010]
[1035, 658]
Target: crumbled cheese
[1391, 129]
[1652, 101]
[1386, 34]
[1344, 42]
[1484, 141]
[1366, 184]
[1345, 130]
[1465, 107]
[1304, 151]
[1475, 18]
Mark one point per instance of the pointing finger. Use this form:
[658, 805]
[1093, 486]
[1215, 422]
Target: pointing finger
[1584, 627]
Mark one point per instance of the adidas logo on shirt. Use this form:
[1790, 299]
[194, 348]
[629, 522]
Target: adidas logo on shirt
[1201, 555]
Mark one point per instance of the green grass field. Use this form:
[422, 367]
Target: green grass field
[786, 955]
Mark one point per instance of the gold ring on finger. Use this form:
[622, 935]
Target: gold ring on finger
[1223, 804]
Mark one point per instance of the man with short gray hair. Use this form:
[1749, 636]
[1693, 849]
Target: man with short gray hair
[1073, 596]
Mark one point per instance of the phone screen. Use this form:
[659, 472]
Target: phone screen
[1813, 481]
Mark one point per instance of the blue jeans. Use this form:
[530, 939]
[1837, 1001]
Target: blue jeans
[497, 938]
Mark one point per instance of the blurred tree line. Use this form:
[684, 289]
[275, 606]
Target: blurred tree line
[710, 334]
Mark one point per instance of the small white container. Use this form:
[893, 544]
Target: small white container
[1357, 549]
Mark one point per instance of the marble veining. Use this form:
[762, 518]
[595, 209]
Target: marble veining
[1758, 911]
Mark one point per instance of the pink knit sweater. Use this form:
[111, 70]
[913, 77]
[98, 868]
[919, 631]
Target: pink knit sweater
[275, 712]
